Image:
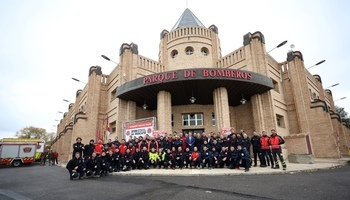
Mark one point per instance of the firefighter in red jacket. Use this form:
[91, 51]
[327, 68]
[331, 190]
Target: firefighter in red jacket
[276, 141]
[266, 156]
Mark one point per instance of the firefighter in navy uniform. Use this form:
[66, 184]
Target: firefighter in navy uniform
[187, 157]
[78, 147]
[179, 158]
[168, 159]
[243, 158]
[135, 158]
[104, 163]
[276, 141]
[92, 164]
[206, 157]
[255, 141]
[215, 154]
[89, 148]
[232, 156]
[116, 160]
[223, 157]
[144, 158]
[76, 167]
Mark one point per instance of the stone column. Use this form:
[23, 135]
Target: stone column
[263, 116]
[164, 111]
[130, 110]
[221, 108]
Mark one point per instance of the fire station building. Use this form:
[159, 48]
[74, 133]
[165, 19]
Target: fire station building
[193, 87]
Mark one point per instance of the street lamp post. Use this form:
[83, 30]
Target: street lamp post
[78, 80]
[105, 57]
[340, 99]
[278, 46]
[316, 64]
[332, 85]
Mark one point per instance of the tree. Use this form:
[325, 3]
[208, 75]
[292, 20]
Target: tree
[34, 132]
[341, 111]
[343, 114]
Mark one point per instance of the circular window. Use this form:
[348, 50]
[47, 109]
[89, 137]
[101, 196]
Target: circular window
[204, 51]
[174, 53]
[189, 51]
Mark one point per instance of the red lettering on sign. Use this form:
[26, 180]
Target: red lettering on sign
[186, 73]
[233, 74]
[227, 73]
[145, 80]
[160, 77]
[244, 75]
[249, 77]
[167, 76]
[189, 73]
[174, 75]
[238, 74]
[154, 79]
[219, 73]
[205, 73]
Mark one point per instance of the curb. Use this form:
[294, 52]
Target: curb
[204, 172]
[233, 173]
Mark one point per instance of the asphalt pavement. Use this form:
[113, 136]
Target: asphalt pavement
[330, 180]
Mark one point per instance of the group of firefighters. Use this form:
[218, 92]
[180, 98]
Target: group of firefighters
[197, 150]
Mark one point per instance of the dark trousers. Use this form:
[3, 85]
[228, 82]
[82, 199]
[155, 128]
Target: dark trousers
[223, 163]
[266, 157]
[278, 152]
[207, 161]
[153, 163]
[180, 162]
[195, 163]
[167, 163]
[187, 162]
[142, 164]
[79, 171]
[215, 162]
[257, 153]
[127, 164]
[105, 168]
[245, 163]
[116, 166]
[233, 163]
[96, 169]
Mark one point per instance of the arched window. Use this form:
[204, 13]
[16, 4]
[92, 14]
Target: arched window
[189, 50]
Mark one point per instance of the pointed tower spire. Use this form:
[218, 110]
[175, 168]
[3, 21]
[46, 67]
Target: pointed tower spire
[187, 19]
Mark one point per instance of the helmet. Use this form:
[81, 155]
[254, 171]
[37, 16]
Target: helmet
[89, 172]
[74, 174]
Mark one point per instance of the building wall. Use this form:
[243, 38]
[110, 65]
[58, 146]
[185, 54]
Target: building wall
[291, 107]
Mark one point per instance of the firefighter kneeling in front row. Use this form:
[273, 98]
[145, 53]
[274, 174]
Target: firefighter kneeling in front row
[92, 164]
[76, 167]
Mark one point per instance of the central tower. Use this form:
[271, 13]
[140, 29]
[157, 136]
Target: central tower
[189, 44]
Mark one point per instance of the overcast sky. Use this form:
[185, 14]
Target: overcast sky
[43, 44]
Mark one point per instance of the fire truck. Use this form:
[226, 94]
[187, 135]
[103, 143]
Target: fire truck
[17, 151]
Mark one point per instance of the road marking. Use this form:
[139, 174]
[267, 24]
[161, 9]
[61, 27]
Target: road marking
[13, 195]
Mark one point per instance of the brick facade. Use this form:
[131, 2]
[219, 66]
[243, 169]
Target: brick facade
[307, 123]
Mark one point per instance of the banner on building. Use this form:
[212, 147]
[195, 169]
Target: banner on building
[158, 133]
[226, 130]
[140, 127]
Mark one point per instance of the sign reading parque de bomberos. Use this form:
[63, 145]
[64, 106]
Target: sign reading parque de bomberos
[197, 74]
